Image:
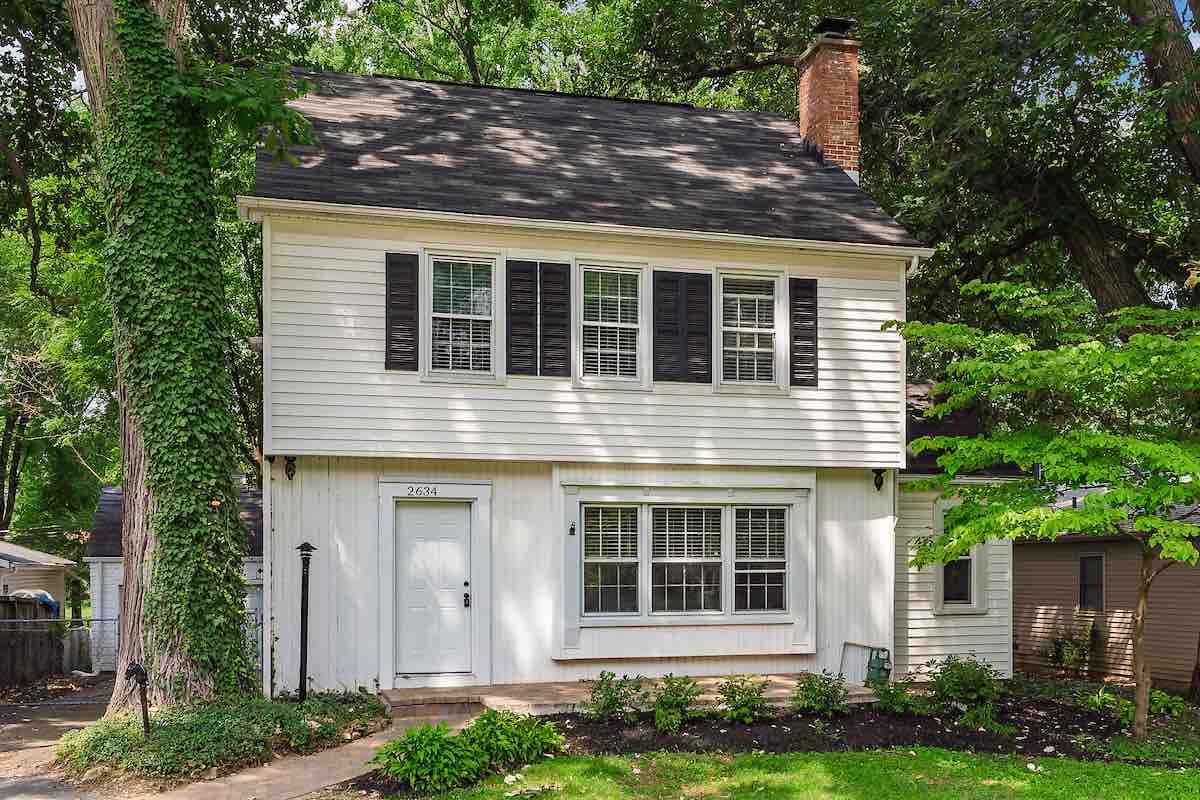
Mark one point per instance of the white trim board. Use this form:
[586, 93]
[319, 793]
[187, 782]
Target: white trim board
[255, 209]
[479, 495]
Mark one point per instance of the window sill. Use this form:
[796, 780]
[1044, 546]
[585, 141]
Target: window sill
[686, 620]
[463, 378]
[773, 389]
[612, 384]
[963, 611]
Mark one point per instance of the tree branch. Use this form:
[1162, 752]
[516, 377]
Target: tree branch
[747, 64]
[17, 170]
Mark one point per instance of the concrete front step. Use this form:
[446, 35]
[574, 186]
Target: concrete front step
[543, 699]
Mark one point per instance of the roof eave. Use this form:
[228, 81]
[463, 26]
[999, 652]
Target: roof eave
[252, 208]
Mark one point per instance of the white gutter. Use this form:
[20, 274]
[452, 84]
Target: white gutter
[254, 208]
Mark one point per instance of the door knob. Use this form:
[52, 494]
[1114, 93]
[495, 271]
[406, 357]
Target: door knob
[466, 599]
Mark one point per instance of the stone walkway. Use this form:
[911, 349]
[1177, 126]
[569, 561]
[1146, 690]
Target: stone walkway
[565, 698]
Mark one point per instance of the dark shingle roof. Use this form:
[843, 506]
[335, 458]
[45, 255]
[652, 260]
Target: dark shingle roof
[539, 155]
[105, 539]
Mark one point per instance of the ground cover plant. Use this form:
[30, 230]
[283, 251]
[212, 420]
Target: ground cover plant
[430, 758]
[187, 741]
[907, 774]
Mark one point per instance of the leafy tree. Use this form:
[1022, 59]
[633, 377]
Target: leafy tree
[1100, 405]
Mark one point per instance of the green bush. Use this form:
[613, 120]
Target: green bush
[744, 699]
[1124, 710]
[984, 716]
[508, 739]
[1163, 704]
[186, 741]
[428, 758]
[615, 698]
[673, 705]
[963, 682]
[824, 694]
[897, 698]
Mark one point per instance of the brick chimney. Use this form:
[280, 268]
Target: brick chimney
[828, 93]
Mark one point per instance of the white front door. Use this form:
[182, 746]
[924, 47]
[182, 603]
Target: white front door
[433, 574]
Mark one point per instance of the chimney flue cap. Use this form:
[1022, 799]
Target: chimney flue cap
[835, 27]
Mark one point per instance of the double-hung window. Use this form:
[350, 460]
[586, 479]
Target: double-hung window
[611, 318]
[760, 566]
[748, 331]
[1091, 583]
[610, 559]
[956, 581]
[461, 315]
[685, 559]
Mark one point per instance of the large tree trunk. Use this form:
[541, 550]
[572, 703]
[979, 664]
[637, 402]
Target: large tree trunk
[1170, 61]
[1141, 665]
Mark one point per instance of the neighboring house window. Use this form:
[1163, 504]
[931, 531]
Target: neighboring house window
[760, 569]
[1091, 583]
[610, 559]
[610, 323]
[461, 316]
[686, 559]
[956, 581]
[748, 330]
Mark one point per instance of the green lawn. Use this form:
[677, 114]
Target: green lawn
[926, 774]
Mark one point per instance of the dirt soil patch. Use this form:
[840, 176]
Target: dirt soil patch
[59, 687]
[1041, 729]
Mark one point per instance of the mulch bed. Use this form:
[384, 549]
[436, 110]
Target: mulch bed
[1044, 728]
[55, 687]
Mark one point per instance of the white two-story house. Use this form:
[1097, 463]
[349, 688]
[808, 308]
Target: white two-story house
[558, 384]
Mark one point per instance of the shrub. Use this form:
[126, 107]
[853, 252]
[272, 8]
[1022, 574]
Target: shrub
[963, 682]
[1071, 648]
[508, 739]
[744, 699]
[226, 734]
[1124, 710]
[824, 694]
[673, 703]
[428, 758]
[984, 716]
[897, 698]
[615, 698]
[1166, 705]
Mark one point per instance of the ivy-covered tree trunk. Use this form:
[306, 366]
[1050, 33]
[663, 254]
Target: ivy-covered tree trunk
[182, 604]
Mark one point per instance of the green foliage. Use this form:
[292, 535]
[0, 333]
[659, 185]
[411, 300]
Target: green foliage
[614, 698]
[674, 702]
[983, 716]
[1071, 648]
[187, 740]
[507, 739]
[897, 698]
[430, 758]
[1162, 704]
[963, 682]
[824, 694]
[744, 699]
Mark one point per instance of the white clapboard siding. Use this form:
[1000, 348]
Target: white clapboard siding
[334, 503]
[327, 392]
[922, 635]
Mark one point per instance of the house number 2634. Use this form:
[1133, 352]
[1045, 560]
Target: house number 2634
[422, 491]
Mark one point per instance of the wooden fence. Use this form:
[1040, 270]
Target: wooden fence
[31, 644]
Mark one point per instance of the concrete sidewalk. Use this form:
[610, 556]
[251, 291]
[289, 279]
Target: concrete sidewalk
[296, 776]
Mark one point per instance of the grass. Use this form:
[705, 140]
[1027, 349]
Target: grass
[188, 741]
[925, 774]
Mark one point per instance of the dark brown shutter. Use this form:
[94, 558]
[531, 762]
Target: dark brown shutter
[522, 318]
[402, 313]
[556, 320]
[682, 327]
[802, 317]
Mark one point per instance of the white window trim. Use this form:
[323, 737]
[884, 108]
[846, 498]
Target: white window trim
[499, 309]
[1103, 582]
[979, 570]
[643, 380]
[782, 382]
[801, 578]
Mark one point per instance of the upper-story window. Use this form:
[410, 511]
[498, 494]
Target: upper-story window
[611, 319]
[461, 315]
[748, 330]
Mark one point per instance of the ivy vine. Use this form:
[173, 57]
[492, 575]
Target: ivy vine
[164, 281]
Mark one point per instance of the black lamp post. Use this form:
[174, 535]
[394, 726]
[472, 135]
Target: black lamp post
[306, 551]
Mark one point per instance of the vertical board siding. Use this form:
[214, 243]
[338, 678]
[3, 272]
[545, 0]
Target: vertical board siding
[922, 635]
[329, 392]
[333, 502]
[1046, 597]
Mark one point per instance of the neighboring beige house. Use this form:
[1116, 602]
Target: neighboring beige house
[26, 568]
[1061, 587]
